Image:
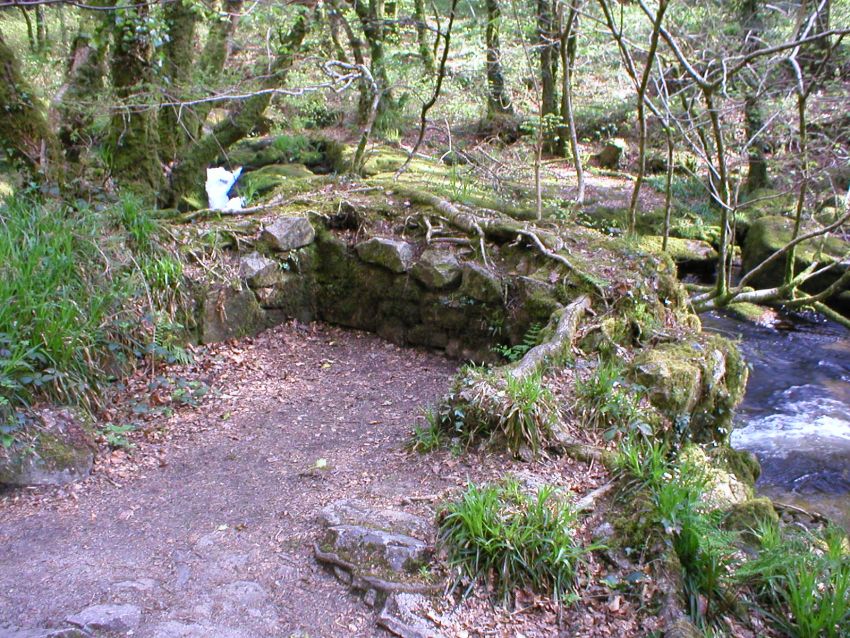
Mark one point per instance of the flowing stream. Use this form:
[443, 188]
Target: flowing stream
[796, 413]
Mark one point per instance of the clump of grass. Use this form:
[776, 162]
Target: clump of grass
[429, 437]
[511, 540]
[55, 302]
[801, 580]
[70, 302]
[497, 405]
[605, 401]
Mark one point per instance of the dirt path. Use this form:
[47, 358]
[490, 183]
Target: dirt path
[217, 542]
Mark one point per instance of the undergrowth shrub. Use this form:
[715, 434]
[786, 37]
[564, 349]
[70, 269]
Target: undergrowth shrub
[605, 401]
[510, 540]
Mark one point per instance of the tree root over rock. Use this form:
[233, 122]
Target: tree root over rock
[500, 228]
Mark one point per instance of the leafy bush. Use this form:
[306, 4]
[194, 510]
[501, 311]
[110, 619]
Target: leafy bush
[511, 540]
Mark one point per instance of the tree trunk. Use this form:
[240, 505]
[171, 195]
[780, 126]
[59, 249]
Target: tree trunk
[753, 119]
[217, 50]
[133, 135]
[40, 28]
[30, 32]
[548, 72]
[73, 104]
[26, 135]
[813, 54]
[175, 123]
[371, 20]
[365, 104]
[498, 100]
[422, 36]
[241, 120]
[568, 131]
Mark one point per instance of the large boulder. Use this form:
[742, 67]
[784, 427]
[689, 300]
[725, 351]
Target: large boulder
[60, 450]
[288, 233]
[769, 234]
[696, 385]
[391, 254]
[227, 313]
[437, 269]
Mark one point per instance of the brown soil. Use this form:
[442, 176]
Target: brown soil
[207, 524]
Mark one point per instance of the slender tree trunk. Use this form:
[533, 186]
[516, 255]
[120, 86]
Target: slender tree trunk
[753, 118]
[372, 22]
[335, 24]
[30, 32]
[498, 100]
[217, 50]
[365, 105]
[641, 112]
[568, 132]
[40, 28]
[73, 104]
[548, 71]
[812, 55]
[425, 52]
[175, 123]
[243, 117]
[26, 134]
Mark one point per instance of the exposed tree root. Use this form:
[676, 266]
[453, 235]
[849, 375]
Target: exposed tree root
[497, 228]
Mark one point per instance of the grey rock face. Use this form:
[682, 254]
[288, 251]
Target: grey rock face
[437, 269]
[259, 271]
[288, 233]
[357, 513]
[392, 254]
[114, 618]
[404, 615]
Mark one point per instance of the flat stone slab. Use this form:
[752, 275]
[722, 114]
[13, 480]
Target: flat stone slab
[288, 233]
[354, 512]
[405, 615]
[113, 618]
[391, 254]
[375, 550]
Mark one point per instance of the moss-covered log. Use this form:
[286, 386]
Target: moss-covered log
[240, 121]
[26, 135]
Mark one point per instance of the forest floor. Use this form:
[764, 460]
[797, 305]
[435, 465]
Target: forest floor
[206, 526]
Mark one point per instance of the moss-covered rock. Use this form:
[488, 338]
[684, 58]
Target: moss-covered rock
[259, 271]
[742, 463]
[228, 313]
[58, 451]
[750, 515]
[612, 154]
[391, 254]
[769, 234]
[695, 384]
[479, 283]
[437, 269]
[723, 489]
[691, 253]
[268, 178]
[288, 233]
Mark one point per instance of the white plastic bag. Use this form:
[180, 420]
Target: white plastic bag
[219, 182]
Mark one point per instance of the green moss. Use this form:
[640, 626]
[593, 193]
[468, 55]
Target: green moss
[681, 250]
[751, 515]
[742, 463]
